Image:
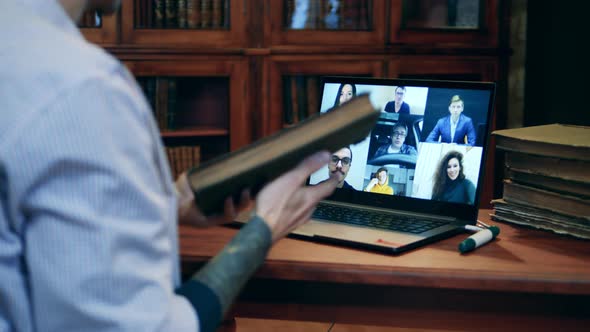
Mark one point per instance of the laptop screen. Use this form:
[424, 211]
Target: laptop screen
[426, 152]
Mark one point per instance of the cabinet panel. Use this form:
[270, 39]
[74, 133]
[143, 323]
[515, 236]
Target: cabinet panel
[466, 23]
[198, 99]
[325, 22]
[185, 23]
[444, 68]
[292, 85]
[98, 29]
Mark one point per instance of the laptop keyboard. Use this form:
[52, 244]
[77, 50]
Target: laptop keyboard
[374, 219]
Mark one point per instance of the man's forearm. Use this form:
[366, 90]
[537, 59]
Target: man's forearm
[213, 289]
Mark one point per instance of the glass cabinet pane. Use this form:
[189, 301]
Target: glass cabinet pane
[182, 14]
[301, 97]
[442, 14]
[328, 14]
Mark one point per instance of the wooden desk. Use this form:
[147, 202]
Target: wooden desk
[526, 280]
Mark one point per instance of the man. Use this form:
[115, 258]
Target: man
[339, 166]
[379, 183]
[399, 132]
[398, 105]
[88, 234]
[455, 127]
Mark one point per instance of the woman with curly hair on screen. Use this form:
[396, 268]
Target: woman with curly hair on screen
[450, 184]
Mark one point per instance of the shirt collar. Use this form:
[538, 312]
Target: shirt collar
[53, 12]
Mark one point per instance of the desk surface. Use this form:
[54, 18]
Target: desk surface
[519, 260]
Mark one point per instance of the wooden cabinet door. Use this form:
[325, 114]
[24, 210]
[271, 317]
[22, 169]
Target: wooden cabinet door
[457, 23]
[210, 99]
[184, 23]
[291, 84]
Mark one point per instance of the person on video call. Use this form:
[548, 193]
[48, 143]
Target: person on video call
[399, 132]
[398, 105]
[379, 183]
[345, 93]
[88, 222]
[450, 184]
[455, 127]
[339, 165]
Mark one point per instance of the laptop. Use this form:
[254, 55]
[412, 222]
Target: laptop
[418, 176]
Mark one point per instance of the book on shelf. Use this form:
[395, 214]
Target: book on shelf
[556, 202]
[205, 13]
[513, 213]
[554, 140]
[181, 12]
[216, 13]
[172, 104]
[193, 14]
[567, 169]
[256, 164]
[182, 158]
[159, 13]
[556, 184]
[161, 104]
[171, 13]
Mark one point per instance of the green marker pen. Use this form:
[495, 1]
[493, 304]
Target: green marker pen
[478, 239]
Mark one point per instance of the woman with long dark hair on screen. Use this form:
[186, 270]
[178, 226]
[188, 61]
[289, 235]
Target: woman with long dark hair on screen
[346, 92]
[450, 184]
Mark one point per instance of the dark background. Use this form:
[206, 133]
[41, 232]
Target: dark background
[556, 79]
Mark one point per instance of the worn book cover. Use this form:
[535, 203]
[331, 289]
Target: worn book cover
[541, 219]
[254, 165]
[556, 184]
[554, 140]
[567, 169]
[548, 200]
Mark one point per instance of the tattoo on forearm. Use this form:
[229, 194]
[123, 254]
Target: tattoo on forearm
[227, 272]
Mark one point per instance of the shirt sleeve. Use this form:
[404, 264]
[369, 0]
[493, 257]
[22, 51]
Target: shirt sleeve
[99, 214]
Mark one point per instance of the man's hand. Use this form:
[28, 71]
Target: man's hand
[286, 203]
[188, 213]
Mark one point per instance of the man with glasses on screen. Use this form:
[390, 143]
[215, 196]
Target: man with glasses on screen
[340, 163]
[398, 137]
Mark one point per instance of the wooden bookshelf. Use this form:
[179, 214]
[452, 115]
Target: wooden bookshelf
[234, 71]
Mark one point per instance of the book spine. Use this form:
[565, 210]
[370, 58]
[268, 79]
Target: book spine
[294, 99]
[205, 14]
[171, 20]
[137, 13]
[159, 13]
[150, 92]
[193, 13]
[181, 10]
[226, 16]
[302, 97]
[216, 14]
[287, 105]
[172, 104]
[363, 12]
[543, 199]
[162, 102]
[312, 86]
[149, 13]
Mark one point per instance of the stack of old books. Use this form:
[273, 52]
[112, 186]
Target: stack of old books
[547, 184]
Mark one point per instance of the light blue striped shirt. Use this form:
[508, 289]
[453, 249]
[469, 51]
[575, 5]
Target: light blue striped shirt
[88, 237]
